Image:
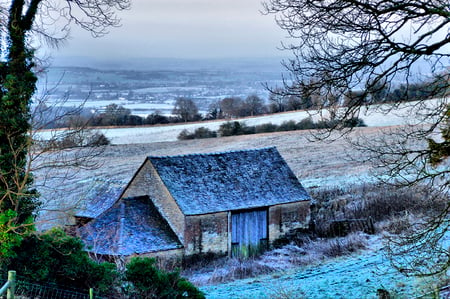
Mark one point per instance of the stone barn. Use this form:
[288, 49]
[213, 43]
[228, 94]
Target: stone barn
[225, 203]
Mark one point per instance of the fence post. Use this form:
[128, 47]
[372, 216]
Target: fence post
[371, 226]
[12, 285]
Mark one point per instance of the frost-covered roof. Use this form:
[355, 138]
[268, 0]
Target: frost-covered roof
[208, 183]
[99, 197]
[130, 226]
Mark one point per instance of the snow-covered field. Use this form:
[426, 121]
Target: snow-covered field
[349, 277]
[375, 117]
[319, 164]
[316, 164]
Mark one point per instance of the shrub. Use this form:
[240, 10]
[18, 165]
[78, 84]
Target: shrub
[203, 132]
[306, 124]
[97, 139]
[185, 135]
[76, 138]
[266, 128]
[150, 282]
[354, 122]
[54, 257]
[156, 118]
[238, 128]
[341, 246]
[232, 128]
[287, 126]
[199, 133]
[10, 236]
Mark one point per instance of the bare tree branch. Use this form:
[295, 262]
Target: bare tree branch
[358, 56]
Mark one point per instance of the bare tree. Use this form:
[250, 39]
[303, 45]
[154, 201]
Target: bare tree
[254, 105]
[278, 98]
[186, 109]
[231, 107]
[351, 54]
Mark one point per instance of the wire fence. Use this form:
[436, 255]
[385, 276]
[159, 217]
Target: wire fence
[25, 290]
[31, 290]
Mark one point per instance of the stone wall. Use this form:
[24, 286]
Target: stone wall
[210, 232]
[287, 217]
[148, 182]
[206, 233]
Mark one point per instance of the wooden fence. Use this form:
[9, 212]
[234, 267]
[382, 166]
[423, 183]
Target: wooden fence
[10, 286]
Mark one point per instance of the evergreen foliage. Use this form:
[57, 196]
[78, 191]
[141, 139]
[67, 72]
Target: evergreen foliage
[8, 239]
[18, 201]
[150, 282]
[57, 258]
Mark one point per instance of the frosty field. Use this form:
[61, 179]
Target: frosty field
[357, 276]
[374, 117]
[318, 165]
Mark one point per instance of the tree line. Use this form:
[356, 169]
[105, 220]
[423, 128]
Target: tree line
[234, 128]
[186, 109]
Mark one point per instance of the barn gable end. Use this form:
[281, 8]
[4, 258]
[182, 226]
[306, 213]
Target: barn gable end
[147, 182]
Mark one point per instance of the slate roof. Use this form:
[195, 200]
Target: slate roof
[100, 197]
[130, 226]
[208, 183]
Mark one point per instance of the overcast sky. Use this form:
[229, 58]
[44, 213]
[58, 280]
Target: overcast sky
[183, 29]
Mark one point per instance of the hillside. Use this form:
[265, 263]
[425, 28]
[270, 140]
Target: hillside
[318, 165]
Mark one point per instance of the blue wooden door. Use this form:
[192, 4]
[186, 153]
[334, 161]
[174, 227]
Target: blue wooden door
[248, 232]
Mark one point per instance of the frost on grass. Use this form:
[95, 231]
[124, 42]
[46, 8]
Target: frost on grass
[351, 276]
[280, 260]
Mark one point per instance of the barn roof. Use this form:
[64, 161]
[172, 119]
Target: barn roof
[130, 226]
[101, 195]
[235, 180]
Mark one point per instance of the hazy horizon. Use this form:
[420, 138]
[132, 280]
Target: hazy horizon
[170, 63]
[180, 29]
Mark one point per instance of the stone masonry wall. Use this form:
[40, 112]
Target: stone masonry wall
[286, 217]
[206, 233]
[148, 182]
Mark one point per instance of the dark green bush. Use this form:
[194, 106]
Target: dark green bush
[306, 124]
[287, 126]
[233, 128]
[199, 133]
[56, 258]
[150, 282]
[354, 122]
[185, 135]
[203, 132]
[266, 128]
